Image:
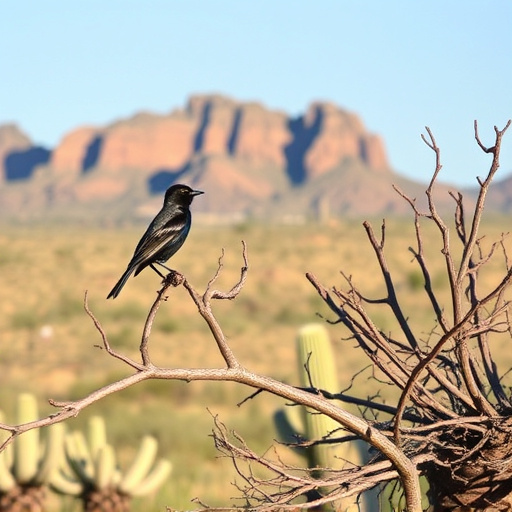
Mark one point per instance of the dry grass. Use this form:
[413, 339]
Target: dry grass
[45, 271]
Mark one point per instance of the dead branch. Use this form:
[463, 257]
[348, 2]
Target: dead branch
[460, 324]
[449, 366]
[235, 372]
[453, 398]
[288, 483]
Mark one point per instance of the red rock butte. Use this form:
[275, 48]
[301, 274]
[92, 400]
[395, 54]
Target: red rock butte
[249, 159]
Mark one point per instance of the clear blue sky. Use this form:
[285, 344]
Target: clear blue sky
[400, 65]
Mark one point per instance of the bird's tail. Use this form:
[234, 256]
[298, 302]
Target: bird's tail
[119, 285]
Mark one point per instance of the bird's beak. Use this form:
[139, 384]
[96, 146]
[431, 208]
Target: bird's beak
[196, 192]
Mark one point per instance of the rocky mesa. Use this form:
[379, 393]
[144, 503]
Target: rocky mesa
[251, 162]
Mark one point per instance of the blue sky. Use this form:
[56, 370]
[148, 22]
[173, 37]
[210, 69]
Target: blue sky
[400, 65]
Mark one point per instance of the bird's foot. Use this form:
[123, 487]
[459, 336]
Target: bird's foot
[173, 278]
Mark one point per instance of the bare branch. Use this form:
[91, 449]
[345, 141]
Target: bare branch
[104, 338]
[392, 298]
[235, 373]
[454, 425]
[173, 279]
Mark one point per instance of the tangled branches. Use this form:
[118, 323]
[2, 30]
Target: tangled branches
[451, 421]
[454, 382]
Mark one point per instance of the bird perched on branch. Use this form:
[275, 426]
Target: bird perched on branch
[164, 236]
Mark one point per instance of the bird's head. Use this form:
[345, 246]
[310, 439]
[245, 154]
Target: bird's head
[181, 194]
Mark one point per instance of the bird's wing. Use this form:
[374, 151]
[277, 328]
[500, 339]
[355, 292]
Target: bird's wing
[172, 233]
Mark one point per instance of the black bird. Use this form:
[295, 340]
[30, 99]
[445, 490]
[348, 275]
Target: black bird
[164, 236]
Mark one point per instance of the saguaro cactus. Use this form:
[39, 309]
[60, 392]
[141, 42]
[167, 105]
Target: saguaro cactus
[392, 497]
[317, 369]
[27, 465]
[91, 472]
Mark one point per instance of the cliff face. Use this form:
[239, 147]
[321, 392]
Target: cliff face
[12, 141]
[18, 156]
[243, 155]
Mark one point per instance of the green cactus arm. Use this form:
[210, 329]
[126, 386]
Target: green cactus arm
[317, 364]
[26, 446]
[154, 480]
[7, 481]
[4, 434]
[317, 368]
[104, 466]
[78, 457]
[66, 469]
[8, 453]
[96, 435]
[8, 450]
[62, 484]
[117, 476]
[290, 426]
[314, 349]
[54, 453]
[392, 496]
[141, 464]
[290, 423]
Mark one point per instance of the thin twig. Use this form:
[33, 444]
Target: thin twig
[104, 338]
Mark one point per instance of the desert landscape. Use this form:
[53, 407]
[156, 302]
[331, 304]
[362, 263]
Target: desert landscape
[51, 347]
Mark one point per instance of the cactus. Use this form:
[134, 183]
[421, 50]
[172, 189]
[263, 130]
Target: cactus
[26, 466]
[317, 368]
[91, 472]
[392, 497]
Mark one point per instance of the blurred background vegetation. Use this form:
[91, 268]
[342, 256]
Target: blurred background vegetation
[50, 347]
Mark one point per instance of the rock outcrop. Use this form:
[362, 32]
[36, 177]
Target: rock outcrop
[12, 141]
[249, 159]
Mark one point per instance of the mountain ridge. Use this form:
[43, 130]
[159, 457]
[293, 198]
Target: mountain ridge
[252, 161]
